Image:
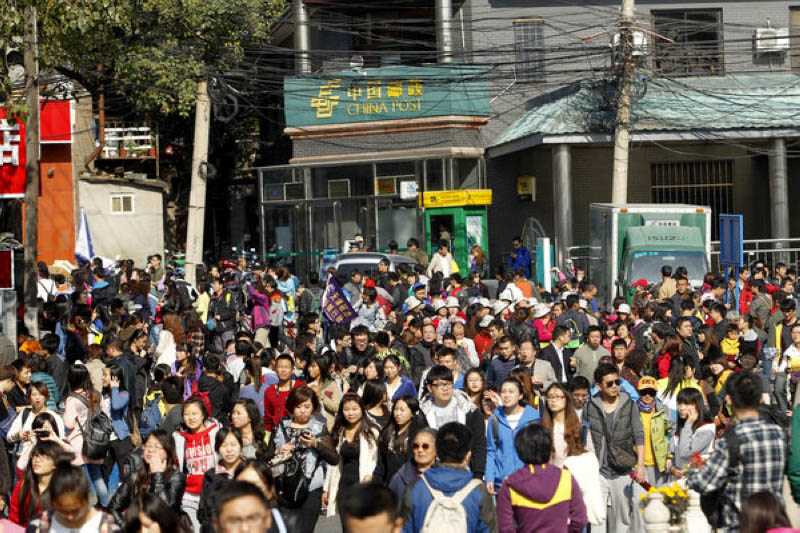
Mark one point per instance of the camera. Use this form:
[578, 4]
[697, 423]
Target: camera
[41, 433]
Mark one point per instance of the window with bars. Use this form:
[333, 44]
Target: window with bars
[708, 183]
[529, 49]
[697, 48]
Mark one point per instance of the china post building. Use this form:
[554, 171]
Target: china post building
[367, 146]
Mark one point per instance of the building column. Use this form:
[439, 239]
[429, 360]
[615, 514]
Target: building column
[444, 25]
[562, 179]
[779, 195]
[302, 40]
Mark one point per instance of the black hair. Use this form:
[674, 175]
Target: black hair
[50, 343]
[256, 424]
[159, 512]
[46, 416]
[438, 372]
[618, 342]
[116, 372]
[580, 383]
[212, 363]
[223, 433]
[534, 444]
[520, 388]
[391, 439]
[366, 428]
[374, 394]
[382, 338]
[788, 305]
[762, 511]
[239, 489]
[745, 390]
[377, 363]
[366, 500]
[244, 347]
[172, 389]
[604, 370]
[78, 378]
[453, 443]
[69, 479]
[694, 397]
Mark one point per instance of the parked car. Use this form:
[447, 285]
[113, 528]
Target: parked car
[368, 261]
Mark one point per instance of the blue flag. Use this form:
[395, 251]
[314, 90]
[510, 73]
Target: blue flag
[335, 304]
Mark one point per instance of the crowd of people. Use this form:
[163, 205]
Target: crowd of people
[147, 404]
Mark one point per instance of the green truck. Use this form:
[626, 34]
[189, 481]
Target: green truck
[629, 242]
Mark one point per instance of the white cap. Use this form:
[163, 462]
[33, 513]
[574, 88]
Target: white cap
[624, 308]
[452, 301]
[485, 302]
[540, 310]
[506, 295]
[500, 306]
[438, 305]
[485, 321]
[412, 303]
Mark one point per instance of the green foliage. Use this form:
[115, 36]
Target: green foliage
[152, 51]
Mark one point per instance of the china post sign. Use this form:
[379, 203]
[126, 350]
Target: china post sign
[390, 93]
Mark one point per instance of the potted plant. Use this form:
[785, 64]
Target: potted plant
[674, 498]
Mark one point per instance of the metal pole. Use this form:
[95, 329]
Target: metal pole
[779, 195]
[31, 60]
[302, 40]
[562, 176]
[444, 35]
[197, 194]
[622, 132]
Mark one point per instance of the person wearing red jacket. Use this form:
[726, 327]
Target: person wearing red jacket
[276, 395]
[671, 350]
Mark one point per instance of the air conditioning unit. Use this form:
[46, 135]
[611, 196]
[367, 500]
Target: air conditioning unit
[772, 40]
[639, 43]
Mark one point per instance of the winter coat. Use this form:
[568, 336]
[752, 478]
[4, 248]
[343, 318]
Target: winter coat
[541, 498]
[406, 388]
[402, 479]
[196, 454]
[522, 260]
[169, 489]
[471, 416]
[314, 458]
[478, 505]
[501, 455]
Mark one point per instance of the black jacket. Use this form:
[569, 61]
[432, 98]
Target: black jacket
[170, 490]
[520, 331]
[213, 485]
[559, 364]
[220, 395]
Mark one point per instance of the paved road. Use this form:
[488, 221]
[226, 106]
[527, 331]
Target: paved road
[328, 525]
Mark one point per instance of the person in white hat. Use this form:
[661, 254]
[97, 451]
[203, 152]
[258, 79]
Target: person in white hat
[412, 305]
[543, 322]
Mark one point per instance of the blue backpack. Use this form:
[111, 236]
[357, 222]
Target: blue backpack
[151, 416]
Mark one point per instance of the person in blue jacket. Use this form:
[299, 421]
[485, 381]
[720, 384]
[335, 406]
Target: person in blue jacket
[507, 420]
[520, 257]
[397, 385]
[624, 385]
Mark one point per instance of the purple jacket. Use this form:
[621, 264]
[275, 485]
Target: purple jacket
[541, 498]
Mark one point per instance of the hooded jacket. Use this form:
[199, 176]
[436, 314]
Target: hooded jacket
[470, 415]
[219, 395]
[501, 456]
[196, 454]
[541, 498]
[479, 504]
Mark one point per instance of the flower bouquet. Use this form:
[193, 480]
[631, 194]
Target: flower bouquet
[674, 497]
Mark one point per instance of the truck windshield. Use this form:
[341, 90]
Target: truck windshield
[647, 265]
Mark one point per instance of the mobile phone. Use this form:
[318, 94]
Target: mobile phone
[40, 433]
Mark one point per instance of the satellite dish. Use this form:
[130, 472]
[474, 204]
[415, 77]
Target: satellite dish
[356, 63]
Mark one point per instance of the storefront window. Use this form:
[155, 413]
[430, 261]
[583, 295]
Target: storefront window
[434, 175]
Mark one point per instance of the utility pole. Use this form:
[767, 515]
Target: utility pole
[31, 60]
[197, 195]
[302, 37]
[622, 129]
[444, 24]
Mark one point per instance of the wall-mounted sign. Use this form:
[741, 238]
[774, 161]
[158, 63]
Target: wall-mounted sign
[526, 188]
[408, 190]
[388, 93]
[457, 198]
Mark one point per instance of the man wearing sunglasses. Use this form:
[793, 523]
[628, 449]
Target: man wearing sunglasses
[617, 431]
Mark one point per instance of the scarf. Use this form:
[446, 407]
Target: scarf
[644, 408]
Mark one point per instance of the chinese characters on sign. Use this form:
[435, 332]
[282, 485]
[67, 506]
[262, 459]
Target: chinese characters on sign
[335, 304]
[371, 97]
[12, 157]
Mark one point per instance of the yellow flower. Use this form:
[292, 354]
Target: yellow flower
[682, 493]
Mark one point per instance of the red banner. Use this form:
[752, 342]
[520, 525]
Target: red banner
[12, 158]
[56, 122]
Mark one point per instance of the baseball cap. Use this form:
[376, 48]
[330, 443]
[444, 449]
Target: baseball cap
[417, 286]
[647, 382]
[624, 308]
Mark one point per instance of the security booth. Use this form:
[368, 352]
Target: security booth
[459, 218]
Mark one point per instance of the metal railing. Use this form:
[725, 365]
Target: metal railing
[771, 251]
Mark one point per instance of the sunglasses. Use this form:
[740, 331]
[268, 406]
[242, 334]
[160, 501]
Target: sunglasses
[425, 446]
[611, 383]
[647, 392]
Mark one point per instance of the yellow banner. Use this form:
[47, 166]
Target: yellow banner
[456, 198]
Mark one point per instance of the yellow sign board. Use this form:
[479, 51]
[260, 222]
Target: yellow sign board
[458, 198]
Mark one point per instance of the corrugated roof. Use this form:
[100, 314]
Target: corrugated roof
[683, 104]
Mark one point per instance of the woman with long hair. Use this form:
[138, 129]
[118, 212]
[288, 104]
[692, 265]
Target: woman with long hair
[247, 419]
[474, 385]
[356, 440]
[694, 434]
[394, 442]
[374, 397]
[44, 427]
[478, 263]
[681, 376]
[30, 494]
[504, 424]
[158, 477]
[253, 387]
[186, 366]
[326, 387]
[397, 385]
[573, 448]
[307, 434]
[671, 349]
[80, 405]
[116, 401]
[228, 444]
[194, 447]
[21, 428]
[707, 343]
[171, 335]
[524, 377]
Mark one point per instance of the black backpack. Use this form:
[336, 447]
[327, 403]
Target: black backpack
[713, 503]
[96, 431]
